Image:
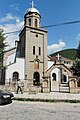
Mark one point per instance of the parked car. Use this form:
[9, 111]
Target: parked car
[5, 97]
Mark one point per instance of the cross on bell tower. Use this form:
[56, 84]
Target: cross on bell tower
[32, 3]
[32, 17]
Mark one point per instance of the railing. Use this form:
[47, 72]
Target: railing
[25, 82]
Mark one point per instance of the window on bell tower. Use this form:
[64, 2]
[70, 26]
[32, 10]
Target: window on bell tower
[39, 50]
[33, 50]
[29, 20]
[35, 22]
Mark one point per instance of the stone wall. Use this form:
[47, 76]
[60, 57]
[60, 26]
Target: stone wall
[73, 85]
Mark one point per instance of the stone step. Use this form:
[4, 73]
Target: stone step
[64, 89]
[64, 84]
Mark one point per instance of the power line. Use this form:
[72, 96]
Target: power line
[60, 24]
[11, 32]
[54, 25]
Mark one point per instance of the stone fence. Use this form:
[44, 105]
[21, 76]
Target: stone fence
[28, 86]
[73, 85]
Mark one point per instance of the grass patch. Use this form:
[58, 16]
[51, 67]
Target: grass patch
[46, 100]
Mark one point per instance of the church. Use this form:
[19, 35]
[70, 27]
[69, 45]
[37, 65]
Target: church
[29, 62]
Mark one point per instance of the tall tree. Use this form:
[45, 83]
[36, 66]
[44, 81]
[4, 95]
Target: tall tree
[3, 45]
[76, 65]
[78, 51]
[76, 68]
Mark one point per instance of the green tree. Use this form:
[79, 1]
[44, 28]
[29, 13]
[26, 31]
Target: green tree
[78, 51]
[3, 45]
[76, 65]
[76, 68]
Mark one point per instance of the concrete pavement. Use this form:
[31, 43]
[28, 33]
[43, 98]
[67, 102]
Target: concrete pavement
[49, 96]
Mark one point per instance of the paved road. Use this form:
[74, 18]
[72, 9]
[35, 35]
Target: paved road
[40, 111]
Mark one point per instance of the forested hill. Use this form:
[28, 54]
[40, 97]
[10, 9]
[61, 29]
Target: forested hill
[67, 53]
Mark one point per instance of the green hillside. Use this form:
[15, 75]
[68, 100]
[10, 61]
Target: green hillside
[68, 53]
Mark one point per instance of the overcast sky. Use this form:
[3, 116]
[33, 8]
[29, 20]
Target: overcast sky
[52, 12]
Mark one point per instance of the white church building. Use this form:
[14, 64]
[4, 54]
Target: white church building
[28, 60]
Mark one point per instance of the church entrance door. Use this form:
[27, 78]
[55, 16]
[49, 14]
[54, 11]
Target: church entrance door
[54, 83]
[36, 78]
[54, 86]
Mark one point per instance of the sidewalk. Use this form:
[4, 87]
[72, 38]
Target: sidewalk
[53, 96]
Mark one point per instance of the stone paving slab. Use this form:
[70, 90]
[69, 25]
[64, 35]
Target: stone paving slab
[52, 96]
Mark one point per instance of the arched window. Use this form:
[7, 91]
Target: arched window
[33, 50]
[65, 79]
[29, 21]
[36, 78]
[54, 76]
[15, 76]
[39, 50]
[35, 22]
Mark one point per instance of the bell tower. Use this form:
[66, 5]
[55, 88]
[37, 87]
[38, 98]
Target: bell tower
[33, 44]
[32, 17]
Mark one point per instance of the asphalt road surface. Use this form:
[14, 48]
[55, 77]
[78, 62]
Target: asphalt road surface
[40, 111]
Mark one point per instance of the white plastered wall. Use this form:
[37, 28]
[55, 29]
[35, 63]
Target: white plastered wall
[57, 72]
[18, 66]
[50, 63]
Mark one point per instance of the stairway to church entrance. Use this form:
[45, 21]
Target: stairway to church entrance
[64, 87]
[59, 87]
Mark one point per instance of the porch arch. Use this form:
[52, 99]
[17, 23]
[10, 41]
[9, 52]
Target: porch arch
[54, 76]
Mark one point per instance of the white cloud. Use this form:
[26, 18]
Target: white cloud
[11, 27]
[8, 17]
[56, 47]
[16, 26]
[15, 6]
